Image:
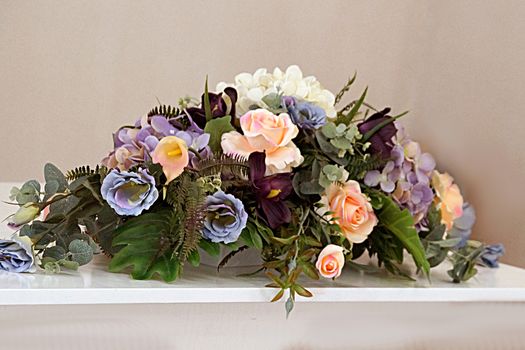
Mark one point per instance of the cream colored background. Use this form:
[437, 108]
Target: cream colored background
[71, 72]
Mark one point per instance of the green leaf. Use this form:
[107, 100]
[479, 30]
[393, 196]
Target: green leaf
[68, 264]
[216, 127]
[52, 173]
[309, 270]
[353, 112]
[207, 107]
[145, 248]
[302, 291]
[285, 241]
[194, 258]
[277, 296]
[29, 192]
[213, 249]
[401, 224]
[55, 252]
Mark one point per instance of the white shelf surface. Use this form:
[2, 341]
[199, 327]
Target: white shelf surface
[93, 284]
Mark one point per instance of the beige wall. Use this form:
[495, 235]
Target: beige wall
[73, 71]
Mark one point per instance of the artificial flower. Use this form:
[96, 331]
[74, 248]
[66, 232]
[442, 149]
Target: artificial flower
[491, 255]
[304, 114]
[252, 88]
[172, 154]
[129, 193]
[225, 218]
[350, 209]
[265, 132]
[381, 141]
[16, 255]
[221, 104]
[330, 261]
[134, 145]
[462, 226]
[270, 191]
[448, 198]
[25, 214]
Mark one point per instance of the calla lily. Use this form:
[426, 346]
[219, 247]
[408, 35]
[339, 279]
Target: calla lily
[271, 191]
[172, 154]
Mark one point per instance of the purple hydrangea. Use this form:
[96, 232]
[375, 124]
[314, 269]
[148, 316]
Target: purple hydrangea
[16, 255]
[133, 145]
[305, 115]
[129, 193]
[225, 218]
[407, 177]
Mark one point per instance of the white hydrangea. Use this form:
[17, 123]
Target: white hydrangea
[252, 88]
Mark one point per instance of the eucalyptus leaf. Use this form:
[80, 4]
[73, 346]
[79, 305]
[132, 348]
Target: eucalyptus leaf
[52, 173]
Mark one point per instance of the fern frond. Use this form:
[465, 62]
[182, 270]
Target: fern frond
[237, 165]
[359, 166]
[195, 213]
[82, 171]
[165, 111]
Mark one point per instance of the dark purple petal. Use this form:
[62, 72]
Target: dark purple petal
[276, 213]
[381, 141]
[256, 161]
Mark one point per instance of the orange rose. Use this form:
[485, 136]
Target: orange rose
[448, 198]
[350, 209]
[265, 132]
[330, 261]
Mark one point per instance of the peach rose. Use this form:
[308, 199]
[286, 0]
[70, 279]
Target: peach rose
[269, 133]
[172, 154]
[351, 210]
[448, 198]
[330, 261]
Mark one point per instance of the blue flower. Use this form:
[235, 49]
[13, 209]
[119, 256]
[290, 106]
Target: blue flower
[225, 218]
[304, 114]
[129, 193]
[16, 255]
[491, 254]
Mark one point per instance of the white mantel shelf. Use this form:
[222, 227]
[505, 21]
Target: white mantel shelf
[92, 284]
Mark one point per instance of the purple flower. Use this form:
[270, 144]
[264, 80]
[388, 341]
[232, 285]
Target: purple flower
[16, 255]
[270, 191]
[304, 114]
[462, 226]
[129, 193]
[221, 104]
[381, 142]
[134, 145]
[491, 255]
[406, 177]
[225, 218]
[386, 179]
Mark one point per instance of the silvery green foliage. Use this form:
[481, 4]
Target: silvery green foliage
[341, 136]
[332, 173]
[28, 193]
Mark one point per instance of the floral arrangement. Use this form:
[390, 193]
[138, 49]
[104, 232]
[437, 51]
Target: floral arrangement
[273, 162]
